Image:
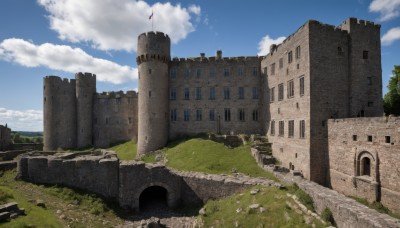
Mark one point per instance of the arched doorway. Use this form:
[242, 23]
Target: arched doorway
[366, 166]
[153, 198]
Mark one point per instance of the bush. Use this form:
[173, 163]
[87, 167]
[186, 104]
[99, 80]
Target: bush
[327, 216]
[304, 198]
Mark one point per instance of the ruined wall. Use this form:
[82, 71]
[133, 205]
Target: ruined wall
[201, 85]
[59, 113]
[115, 118]
[5, 138]
[354, 141]
[293, 151]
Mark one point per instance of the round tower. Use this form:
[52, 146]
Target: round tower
[85, 90]
[153, 56]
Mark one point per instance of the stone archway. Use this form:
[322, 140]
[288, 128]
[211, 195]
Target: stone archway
[153, 198]
[157, 192]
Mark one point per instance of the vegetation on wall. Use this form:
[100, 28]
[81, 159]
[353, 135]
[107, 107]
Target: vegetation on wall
[391, 101]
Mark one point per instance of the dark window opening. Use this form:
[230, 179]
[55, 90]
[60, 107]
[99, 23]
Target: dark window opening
[370, 104]
[365, 54]
[387, 139]
[369, 138]
[354, 137]
[153, 198]
[366, 167]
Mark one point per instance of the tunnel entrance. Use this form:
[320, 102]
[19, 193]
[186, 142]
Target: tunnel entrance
[153, 198]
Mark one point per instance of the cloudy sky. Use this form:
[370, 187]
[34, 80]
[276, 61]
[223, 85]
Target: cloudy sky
[62, 37]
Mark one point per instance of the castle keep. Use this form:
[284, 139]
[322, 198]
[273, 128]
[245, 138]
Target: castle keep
[318, 73]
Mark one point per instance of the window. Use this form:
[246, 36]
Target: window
[339, 51]
[149, 93]
[187, 73]
[280, 63]
[365, 54]
[365, 166]
[266, 71]
[241, 93]
[198, 73]
[241, 114]
[273, 69]
[272, 131]
[129, 120]
[172, 94]
[226, 72]
[370, 104]
[255, 115]
[302, 129]
[227, 114]
[186, 93]
[387, 139]
[301, 86]
[290, 88]
[198, 115]
[173, 73]
[281, 128]
[149, 71]
[369, 138]
[106, 120]
[240, 71]
[173, 114]
[211, 114]
[291, 128]
[298, 52]
[198, 93]
[272, 95]
[354, 137]
[369, 80]
[186, 115]
[280, 92]
[255, 93]
[212, 93]
[290, 56]
[255, 71]
[226, 93]
[212, 72]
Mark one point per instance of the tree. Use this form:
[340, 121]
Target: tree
[391, 100]
[17, 138]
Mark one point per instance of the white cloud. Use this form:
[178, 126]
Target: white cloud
[64, 58]
[266, 42]
[27, 120]
[115, 25]
[388, 9]
[390, 36]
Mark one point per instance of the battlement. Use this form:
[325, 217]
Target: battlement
[116, 95]
[215, 59]
[86, 75]
[359, 23]
[51, 79]
[154, 35]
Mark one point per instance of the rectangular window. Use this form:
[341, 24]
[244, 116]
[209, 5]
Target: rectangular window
[302, 129]
[298, 52]
[272, 131]
[227, 114]
[272, 95]
[255, 93]
[241, 93]
[387, 139]
[369, 138]
[172, 94]
[339, 51]
[365, 54]
[187, 73]
[212, 93]
[186, 94]
[226, 72]
[291, 128]
[198, 93]
[281, 128]
[354, 137]
[173, 114]
[173, 73]
[370, 104]
[255, 71]
[226, 93]
[280, 92]
[240, 71]
[273, 69]
[186, 115]
[266, 71]
[290, 56]
[301, 86]
[241, 114]
[369, 80]
[198, 115]
[255, 115]
[212, 72]
[290, 88]
[198, 73]
[280, 63]
[149, 71]
[212, 114]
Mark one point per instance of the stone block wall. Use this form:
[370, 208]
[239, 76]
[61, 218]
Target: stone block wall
[5, 138]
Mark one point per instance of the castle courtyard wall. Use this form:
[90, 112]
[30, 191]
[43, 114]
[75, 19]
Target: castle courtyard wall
[355, 139]
[5, 138]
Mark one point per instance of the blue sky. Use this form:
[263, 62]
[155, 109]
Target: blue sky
[61, 37]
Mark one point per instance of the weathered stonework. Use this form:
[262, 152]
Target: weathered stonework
[5, 138]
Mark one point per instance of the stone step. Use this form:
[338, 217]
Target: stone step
[13, 206]
[4, 216]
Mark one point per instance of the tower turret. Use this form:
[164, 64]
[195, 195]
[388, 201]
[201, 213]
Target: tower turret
[85, 90]
[153, 56]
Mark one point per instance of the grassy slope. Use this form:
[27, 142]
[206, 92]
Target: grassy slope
[125, 151]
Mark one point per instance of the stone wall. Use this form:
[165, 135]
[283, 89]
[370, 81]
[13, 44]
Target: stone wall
[10, 155]
[357, 141]
[5, 138]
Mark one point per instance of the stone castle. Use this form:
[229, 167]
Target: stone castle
[298, 96]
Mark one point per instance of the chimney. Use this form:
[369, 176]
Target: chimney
[219, 54]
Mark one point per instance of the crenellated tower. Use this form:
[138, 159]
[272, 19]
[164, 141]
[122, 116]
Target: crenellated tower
[153, 57]
[85, 90]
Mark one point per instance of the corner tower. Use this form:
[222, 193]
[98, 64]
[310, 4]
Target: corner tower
[153, 56]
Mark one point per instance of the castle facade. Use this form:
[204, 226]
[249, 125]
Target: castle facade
[318, 73]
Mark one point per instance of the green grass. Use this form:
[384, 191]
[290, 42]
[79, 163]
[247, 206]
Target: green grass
[223, 213]
[303, 197]
[125, 151]
[202, 155]
[378, 206]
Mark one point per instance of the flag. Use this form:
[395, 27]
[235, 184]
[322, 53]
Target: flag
[151, 15]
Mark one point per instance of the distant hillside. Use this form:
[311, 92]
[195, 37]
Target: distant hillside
[28, 133]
